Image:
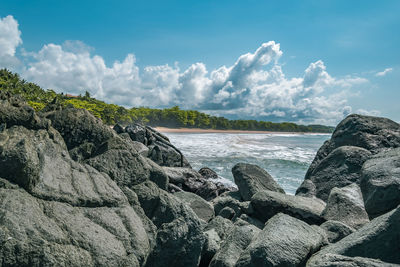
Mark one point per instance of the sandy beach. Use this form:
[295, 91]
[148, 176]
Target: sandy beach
[198, 130]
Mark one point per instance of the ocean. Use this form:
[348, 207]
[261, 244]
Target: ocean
[286, 157]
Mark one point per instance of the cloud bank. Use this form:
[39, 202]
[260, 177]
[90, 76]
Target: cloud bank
[255, 86]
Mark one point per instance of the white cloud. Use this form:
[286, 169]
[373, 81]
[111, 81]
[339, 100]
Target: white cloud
[10, 39]
[255, 86]
[384, 72]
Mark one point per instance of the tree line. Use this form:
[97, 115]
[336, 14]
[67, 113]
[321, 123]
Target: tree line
[111, 114]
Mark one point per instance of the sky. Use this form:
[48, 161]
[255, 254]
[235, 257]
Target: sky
[298, 61]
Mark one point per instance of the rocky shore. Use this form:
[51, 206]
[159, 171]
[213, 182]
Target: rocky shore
[74, 192]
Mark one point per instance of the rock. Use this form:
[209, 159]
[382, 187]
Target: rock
[284, 241]
[208, 173]
[202, 208]
[137, 133]
[14, 111]
[251, 220]
[380, 182]
[340, 168]
[211, 246]
[191, 181]
[346, 205]
[227, 201]
[334, 260]
[180, 239]
[267, 204]
[227, 213]
[378, 239]
[38, 162]
[336, 230]
[221, 225]
[35, 232]
[250, 179]
[231, 248]
[123, 164]
[118, 129]
[79, 126]
[372, 133]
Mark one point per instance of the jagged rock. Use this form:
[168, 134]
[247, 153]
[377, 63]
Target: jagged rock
[336, 230]
[179, 240]
[284, 241]
[79, 126]
[250, 179]
[221, 225]
[231, 248]
[208, 173]
[340, 168]
[372, 133]
[227, 213]
[347, 206]
[118, 129]
[202, 208]
[123, 164]
[267, 204]
[334, 260]
[380, 182]
[227, 201]
[211, 246]
[191, 181]
[378, 239]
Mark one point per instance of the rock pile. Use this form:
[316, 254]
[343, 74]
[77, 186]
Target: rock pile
[74, 192]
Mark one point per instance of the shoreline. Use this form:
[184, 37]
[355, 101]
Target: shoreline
[198, 130]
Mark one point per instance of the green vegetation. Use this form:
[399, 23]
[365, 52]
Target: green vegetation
[169, 117]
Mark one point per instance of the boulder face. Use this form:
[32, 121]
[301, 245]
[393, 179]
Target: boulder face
[336, 230]
[380, 182]
[251, 178]
[284, 241]
[347, 206]
[267, 204]
[340, 168]
[203, 209]
[377, 239]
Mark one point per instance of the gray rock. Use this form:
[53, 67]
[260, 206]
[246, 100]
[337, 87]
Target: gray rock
[267, 204]
[202, 208]
[336, 230]
[221, 225]
[334, 260]
[250, 179]
[284, 241]
[237, 206]
[372, 133]
[180, 239]
[211, 246]
[346, 205]
[123, 164]
[340, 168]
[380, 182]
[378, 239]
[208, 173]
[190, 180]
[38, 161]
[227, 213]
[36, 232]
[231, 248]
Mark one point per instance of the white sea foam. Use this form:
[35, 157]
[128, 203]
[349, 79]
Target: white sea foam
[285, 156]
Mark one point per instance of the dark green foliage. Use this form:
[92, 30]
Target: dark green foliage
[168, 117]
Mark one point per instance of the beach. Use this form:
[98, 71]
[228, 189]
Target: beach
[198, 130]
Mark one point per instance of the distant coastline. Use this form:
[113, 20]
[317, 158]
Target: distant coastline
[199, 130]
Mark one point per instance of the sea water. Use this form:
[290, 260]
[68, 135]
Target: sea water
[285, 156]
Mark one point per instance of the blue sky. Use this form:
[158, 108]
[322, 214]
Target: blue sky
[331, 58]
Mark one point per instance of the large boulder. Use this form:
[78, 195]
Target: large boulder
[372, 133]
[347, 206]
[380, 182]
[251, 178]
[378, 239]
[336, 230]
[179, 239]
[202, 208]
[267, 204]
[231, 248]
[161, 151]
[334, 260]
[340, 168]
[191, 181]
[284, 241]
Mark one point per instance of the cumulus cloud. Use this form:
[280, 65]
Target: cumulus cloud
[255, 86]
[10, 39]
[384, 72]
